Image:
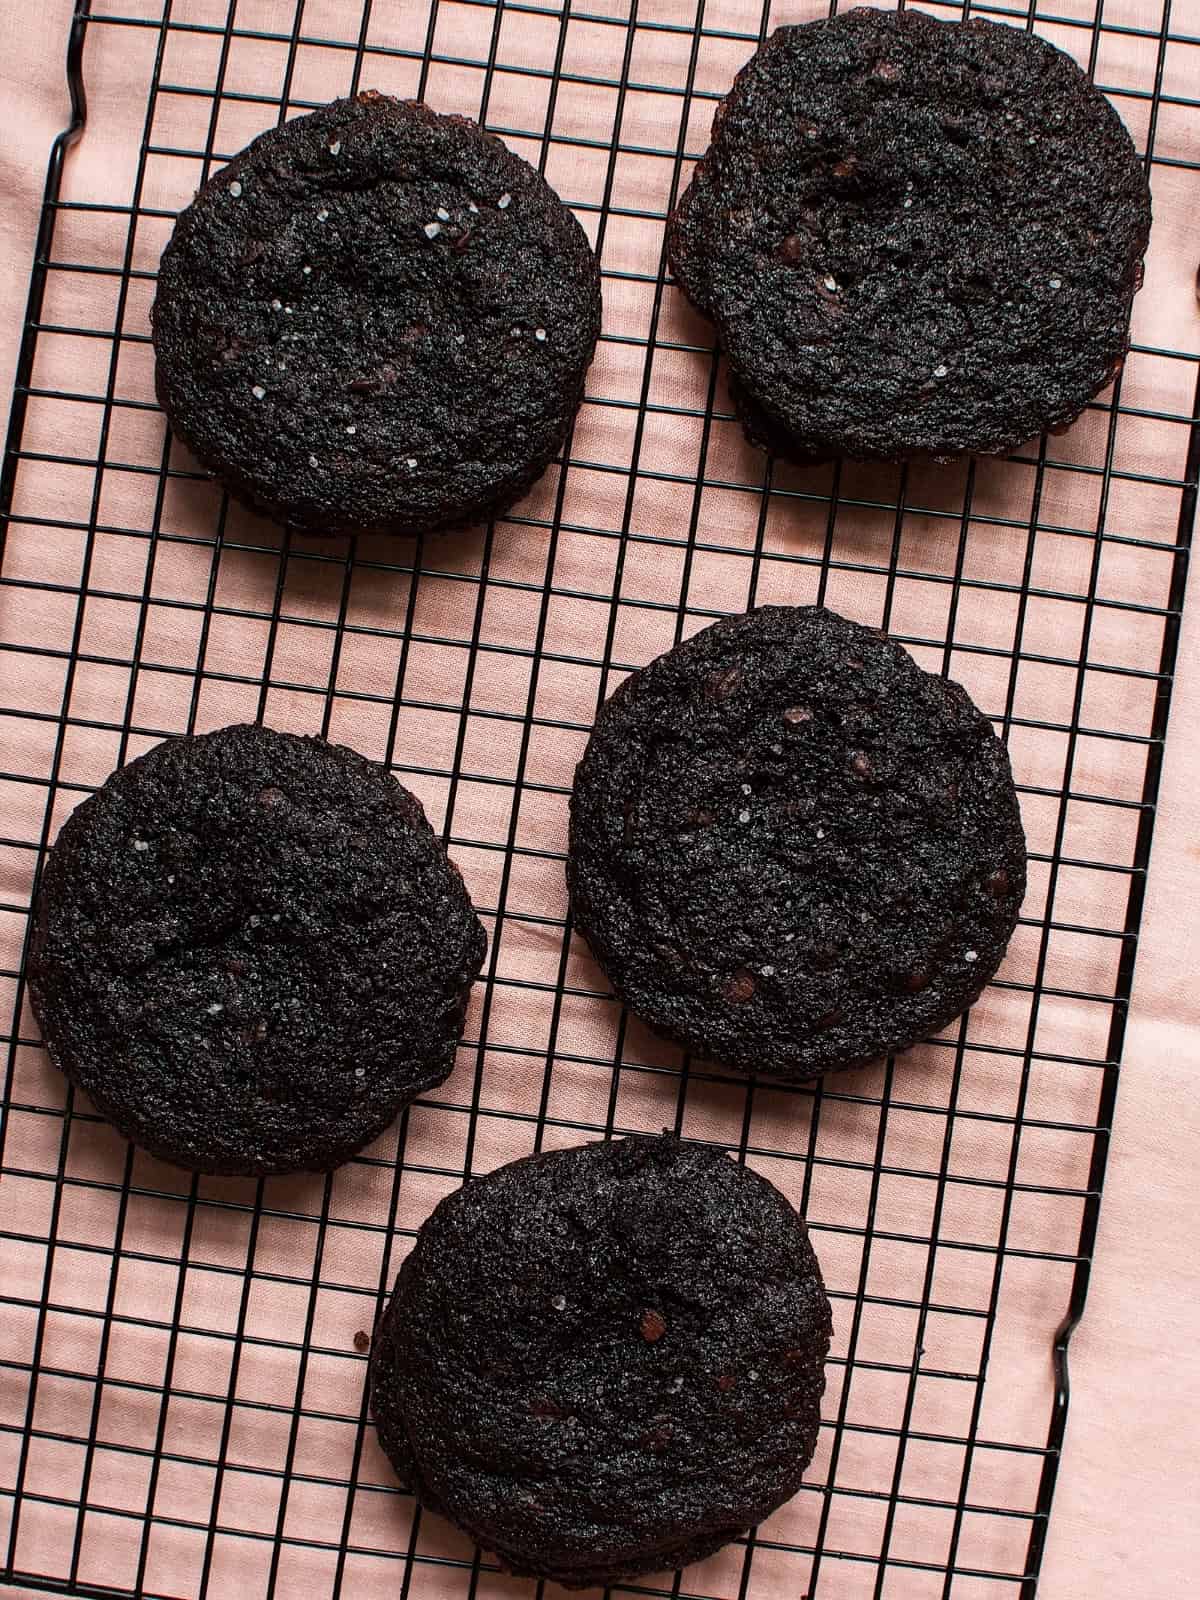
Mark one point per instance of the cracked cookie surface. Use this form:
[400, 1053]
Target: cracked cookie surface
[791, 849]
[607, 1360]
[914, 237]
[250, 950]
[376, 317]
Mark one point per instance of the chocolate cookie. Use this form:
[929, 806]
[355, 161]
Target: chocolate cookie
[914, 237]
[605, 1361]
[791, 849]
[251, 951]
[376, 317]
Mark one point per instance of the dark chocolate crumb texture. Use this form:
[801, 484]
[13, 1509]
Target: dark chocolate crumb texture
[605, 1361]
[915, 237]
[791, 849]
[251, 951]
[376, 317]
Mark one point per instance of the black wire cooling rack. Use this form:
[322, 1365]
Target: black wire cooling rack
[182, 1362]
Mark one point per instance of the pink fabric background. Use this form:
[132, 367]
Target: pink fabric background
[1124, 1522]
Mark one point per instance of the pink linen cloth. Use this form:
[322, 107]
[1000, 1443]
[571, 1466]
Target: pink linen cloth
[1120, 1525]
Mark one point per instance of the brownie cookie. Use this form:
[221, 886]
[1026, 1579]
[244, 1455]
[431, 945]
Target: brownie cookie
[605, 1361]
[376, 317]
[251, 951]
[914, 237]
[791, 849]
